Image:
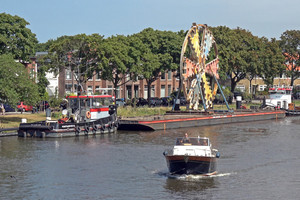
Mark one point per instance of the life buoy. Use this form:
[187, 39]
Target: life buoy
[88, 114]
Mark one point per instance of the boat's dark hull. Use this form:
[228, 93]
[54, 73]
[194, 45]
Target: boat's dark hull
[191, 165]
[55, 129]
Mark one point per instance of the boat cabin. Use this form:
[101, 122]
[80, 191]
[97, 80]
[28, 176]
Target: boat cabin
[192, 146]
[198, 141]
[89, 107]
[280, 97]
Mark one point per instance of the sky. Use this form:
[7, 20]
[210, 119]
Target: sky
[50, 19]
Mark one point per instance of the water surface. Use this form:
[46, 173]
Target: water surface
[259, 160]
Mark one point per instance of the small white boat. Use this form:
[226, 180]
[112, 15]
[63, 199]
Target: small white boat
[192, 156]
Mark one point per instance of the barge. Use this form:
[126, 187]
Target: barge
[193, 119]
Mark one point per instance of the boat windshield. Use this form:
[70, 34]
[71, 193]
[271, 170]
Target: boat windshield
[192, 141]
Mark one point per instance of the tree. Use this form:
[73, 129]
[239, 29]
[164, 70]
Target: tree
[79, 53]
[15, 82]
[243, 55]
[156, 52]
[290, 44]
[237, 49]
[15, 38]
[272, 60]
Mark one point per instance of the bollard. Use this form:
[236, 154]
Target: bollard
[238, 102]
[177, 104]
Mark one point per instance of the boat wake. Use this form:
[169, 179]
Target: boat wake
[190, 176]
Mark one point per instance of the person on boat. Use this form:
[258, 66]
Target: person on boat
[186, 139]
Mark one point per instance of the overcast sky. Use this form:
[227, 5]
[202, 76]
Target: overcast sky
[50, 19]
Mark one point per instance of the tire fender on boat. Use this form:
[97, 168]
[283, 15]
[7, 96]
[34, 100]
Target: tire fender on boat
[116, 124]
[102, 127]
[86, 129]
[77, 130]
[95, 127]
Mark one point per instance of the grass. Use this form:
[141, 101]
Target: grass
[129, 111]
[11, 121]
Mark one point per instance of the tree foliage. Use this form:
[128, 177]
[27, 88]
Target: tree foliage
[15, 38]
[290, 44]
[243, 55]
[116, 62]
[156, 52]
[15, 82]
[272, 61]
[79, 53]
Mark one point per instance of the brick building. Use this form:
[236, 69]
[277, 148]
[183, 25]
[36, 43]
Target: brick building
[162, 87]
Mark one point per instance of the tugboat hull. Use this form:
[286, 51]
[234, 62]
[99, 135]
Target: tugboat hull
[191, 165]
[55, 129]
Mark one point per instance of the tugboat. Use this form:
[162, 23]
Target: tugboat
[280, 97]
[82, 115]
[192, 155]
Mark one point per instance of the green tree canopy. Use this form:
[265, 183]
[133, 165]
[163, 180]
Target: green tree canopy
[156, 52]
[272, 61]
[116, 62]
[15, 38]
[290, 44]
[243, 55]
[15, 83]
[79, 53]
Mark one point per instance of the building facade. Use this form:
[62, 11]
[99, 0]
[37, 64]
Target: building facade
[162, 87]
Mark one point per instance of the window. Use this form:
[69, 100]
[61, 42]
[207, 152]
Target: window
[145, 91]
[262, 87]
[163, 91]
[110, 90]
[97, 76]
[169, 75]
[163, 76]
[90, 89]
[127, 77]
[169, 90]
[68, 74]
[97, 89]
[68, 88]
[152, 91]
[241, 88]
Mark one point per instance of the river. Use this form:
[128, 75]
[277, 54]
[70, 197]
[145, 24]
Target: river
[259, 160]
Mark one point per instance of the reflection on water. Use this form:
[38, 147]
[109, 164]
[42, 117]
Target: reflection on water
[190, 184]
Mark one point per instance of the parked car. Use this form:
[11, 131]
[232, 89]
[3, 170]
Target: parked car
[23, 108]
[120, 102]
[166, 101]
[9, 108]
[297, 95]
[183, 101]
[218, 99]
[141, 102]
[155, 101]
